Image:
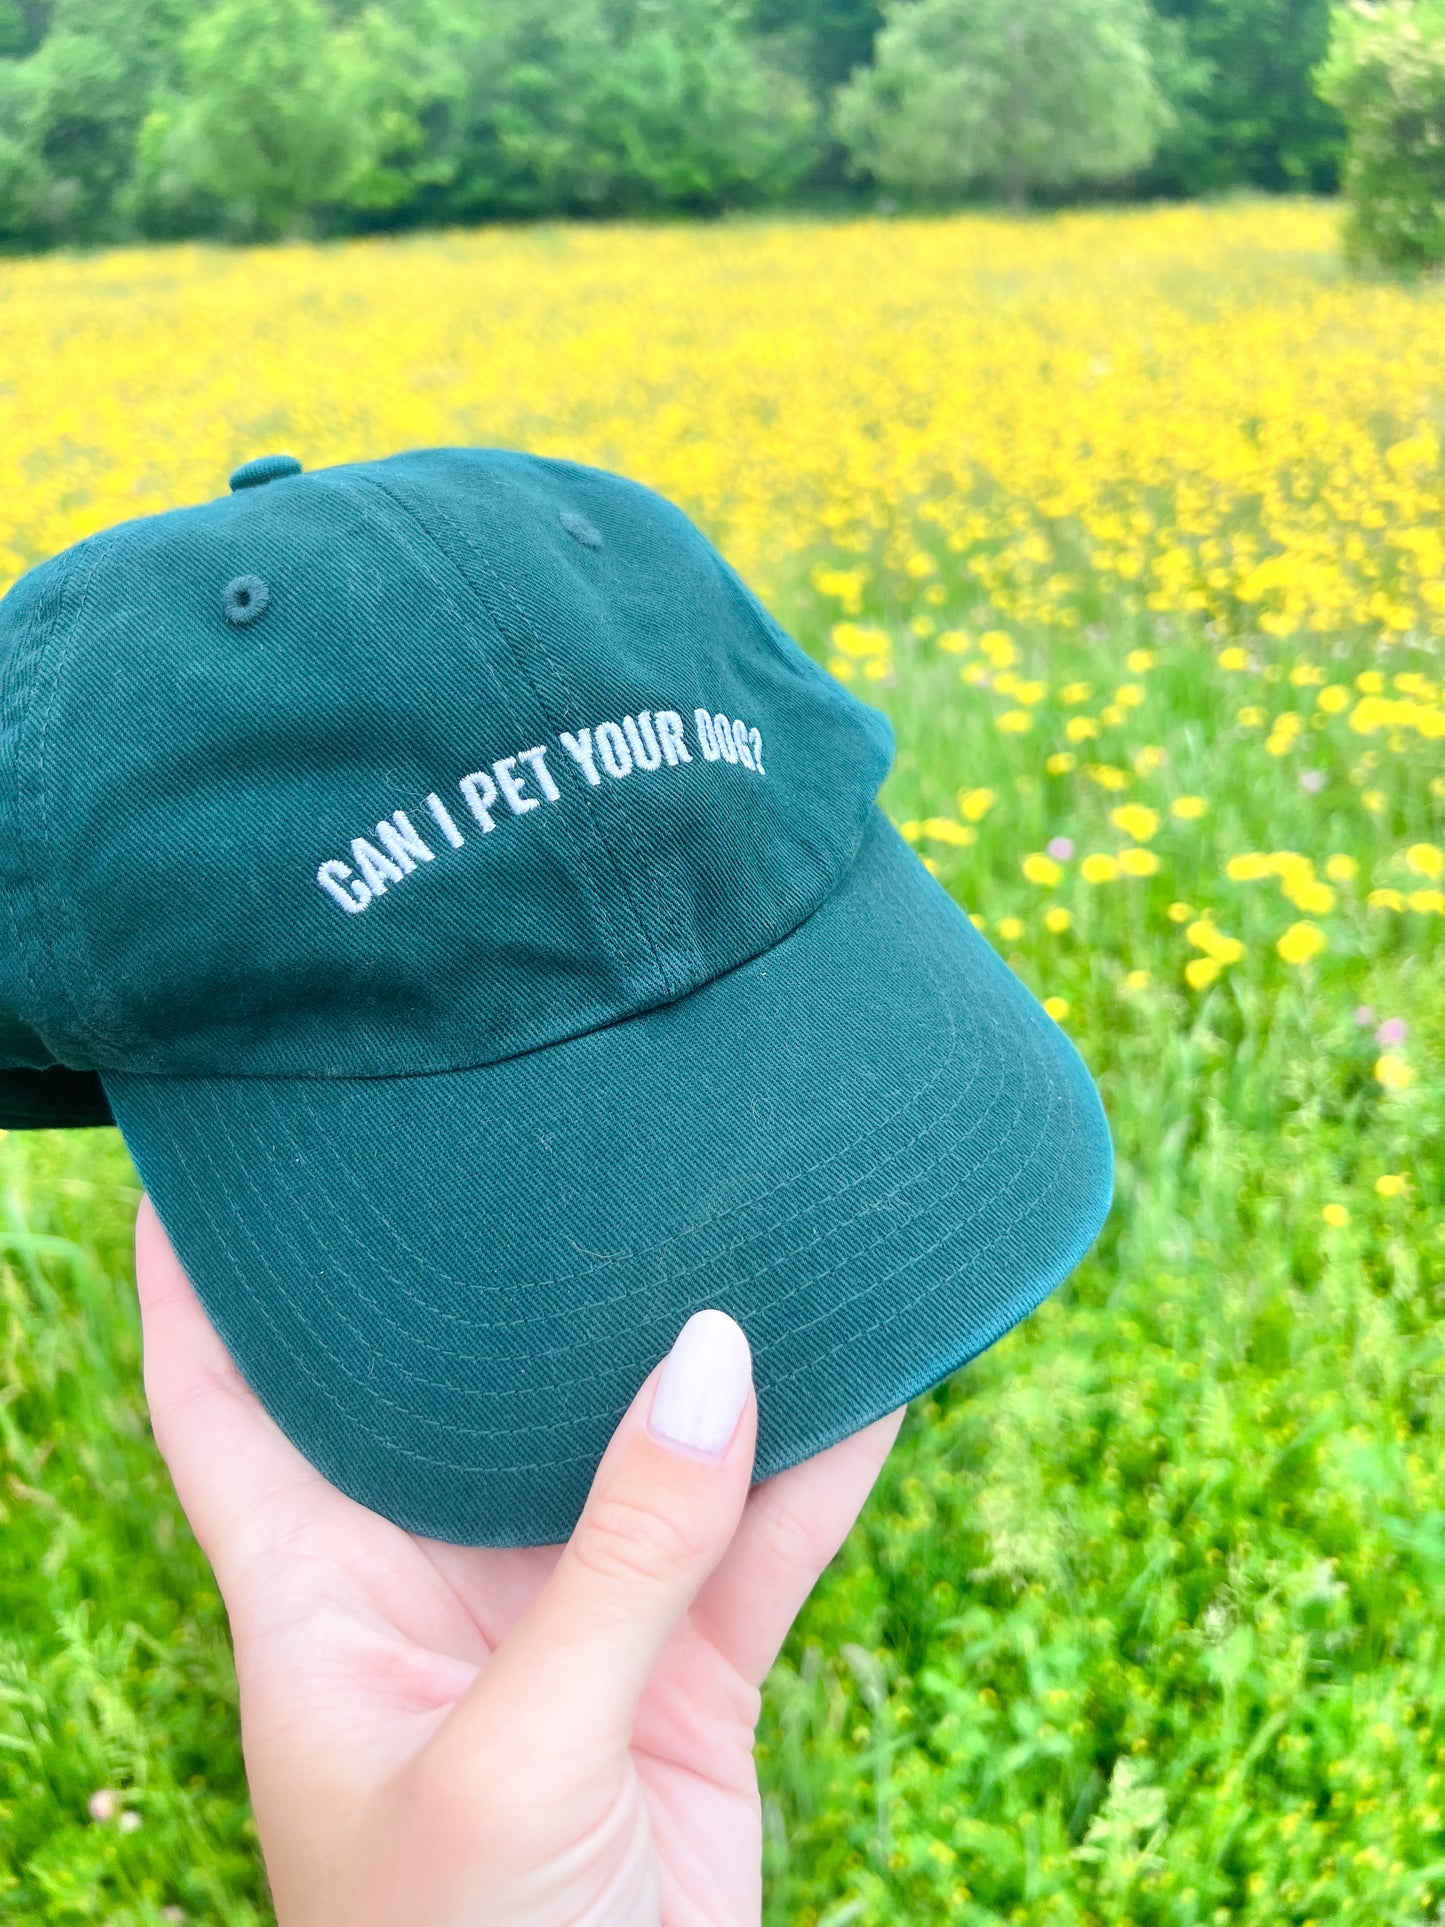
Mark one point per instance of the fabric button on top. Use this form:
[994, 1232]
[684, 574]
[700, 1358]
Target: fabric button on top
[264, 468]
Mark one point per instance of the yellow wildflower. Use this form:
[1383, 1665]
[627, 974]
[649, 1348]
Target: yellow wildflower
[1385, 900]
[1135, 820]
[1057, 1007]
[1107, 777]
[1039, 868]
[1250, 717]
[955, 641]
[1079, 729]
[1308, 894]
[1392, 1184]
[1426, 860]
[1076, 692]
[1135, 862]
[1336, 1216]
[943, 829]
[975, 804]
[1393, 1072]
[1333, 699]
[1180, 912]
[1099, 868]
[1430, 903]
[1204, 936]
[1233, 658]
[1188, 809]
[1030, 692]
[1251, 867]
[1060, 763]
[1341, 869]
[1373, 800]
[1370, 683]
[1015, 722]
[1057, 919]
[1301, 943]
[1137, 980]
[1010, 929]
[1148, 759]
[997, 645]
[1139, 660]
[1200, 972]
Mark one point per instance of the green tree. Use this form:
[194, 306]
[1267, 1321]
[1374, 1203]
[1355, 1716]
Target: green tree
[70, 113]
[1246, 112]
[278, 113]
[1386, 75]
[615, 105]
[1005, 96]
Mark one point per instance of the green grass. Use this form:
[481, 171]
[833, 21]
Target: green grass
[1144, 1622]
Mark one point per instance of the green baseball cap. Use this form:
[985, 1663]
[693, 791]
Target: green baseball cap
[476, 913]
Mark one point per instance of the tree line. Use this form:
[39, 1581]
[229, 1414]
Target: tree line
[126, 119]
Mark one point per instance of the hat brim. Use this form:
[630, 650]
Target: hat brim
[870, 1145]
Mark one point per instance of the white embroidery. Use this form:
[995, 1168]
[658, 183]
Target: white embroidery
[669, 734]
[505, 771]
[536, 761]
[401, 842]
[644, 741]
[445, 820]
[579, 748]
[378, 870]
[612, 748]
[353, 895]
[641, 740]
[480, 793]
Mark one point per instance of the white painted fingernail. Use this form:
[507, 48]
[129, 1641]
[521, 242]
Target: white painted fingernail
[704, 1385]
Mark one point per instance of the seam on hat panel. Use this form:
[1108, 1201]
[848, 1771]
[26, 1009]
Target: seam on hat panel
[410, 528]
[402, 491]
[61, 620]
[399, 525]
[664, 910]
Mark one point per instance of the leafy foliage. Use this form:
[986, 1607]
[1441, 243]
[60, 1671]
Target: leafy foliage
[1386, 75]
[1005, 95]
[1239, 76]
[121, 118]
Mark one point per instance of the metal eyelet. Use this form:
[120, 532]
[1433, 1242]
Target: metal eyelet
[245, 600]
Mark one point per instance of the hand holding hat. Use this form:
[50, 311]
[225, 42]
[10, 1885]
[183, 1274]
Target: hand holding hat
[441, 1735]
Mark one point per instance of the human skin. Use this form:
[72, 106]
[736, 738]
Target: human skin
[443, 1736]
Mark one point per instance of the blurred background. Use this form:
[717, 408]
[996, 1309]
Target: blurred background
[1070, 378]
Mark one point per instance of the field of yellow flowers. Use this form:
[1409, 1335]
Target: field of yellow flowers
[1134, 522]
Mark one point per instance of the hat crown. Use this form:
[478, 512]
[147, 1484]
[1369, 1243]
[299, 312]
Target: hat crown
[406, 766]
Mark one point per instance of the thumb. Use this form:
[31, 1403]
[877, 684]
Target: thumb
[662, 1511]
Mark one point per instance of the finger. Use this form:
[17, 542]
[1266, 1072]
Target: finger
[226, 1458]
[792, 1527]
[663, 1507]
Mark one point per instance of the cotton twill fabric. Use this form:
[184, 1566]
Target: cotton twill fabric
[869, 1145]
